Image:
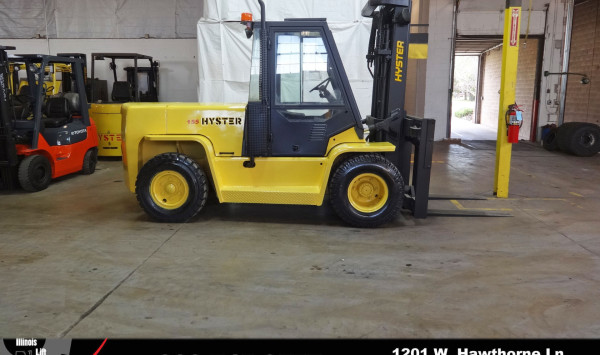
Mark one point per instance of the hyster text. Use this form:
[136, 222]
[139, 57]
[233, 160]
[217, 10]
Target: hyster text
[399, 61]
[217, 121]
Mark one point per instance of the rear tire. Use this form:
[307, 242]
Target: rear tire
[550, 141]
[89, 161]
[584, 140]
[563, 135]
[35, 173]
[171, 188]
[367, 191]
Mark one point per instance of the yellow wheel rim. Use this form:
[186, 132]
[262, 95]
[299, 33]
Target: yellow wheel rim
[368, 193]
[169, 189]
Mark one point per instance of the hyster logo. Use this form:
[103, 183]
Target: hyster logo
[221, 121]
[399, 60]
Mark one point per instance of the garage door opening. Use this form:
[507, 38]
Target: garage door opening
[483, 55]
[466, 123]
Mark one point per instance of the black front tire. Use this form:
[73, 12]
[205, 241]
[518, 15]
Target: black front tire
[550, 141]
[35, 173]
[584, 139]
[373, 211]
[563, 135]
[89, 161]
[171, 202]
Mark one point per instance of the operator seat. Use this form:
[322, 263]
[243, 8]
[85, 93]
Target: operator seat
[24, 90]
[74, 106]
[58, 112]
[122, 91]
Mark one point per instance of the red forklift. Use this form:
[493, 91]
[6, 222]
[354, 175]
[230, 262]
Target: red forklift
[43, 137]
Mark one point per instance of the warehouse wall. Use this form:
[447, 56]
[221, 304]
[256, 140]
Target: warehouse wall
[99, 18]
[177, 57]
[490, 98]
[87, 26]
[438, 64]
[528, 53]
[552, 62]
[583, 101]
[490, 87]
[417, 68]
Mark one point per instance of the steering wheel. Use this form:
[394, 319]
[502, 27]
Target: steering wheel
[322, 86]
[25, 102]
[323, 92]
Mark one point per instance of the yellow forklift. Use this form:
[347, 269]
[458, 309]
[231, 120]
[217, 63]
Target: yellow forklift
[140, 85]
[52, 81]
[299, 139]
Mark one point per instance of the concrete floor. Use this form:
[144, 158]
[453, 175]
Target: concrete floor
[81, 259]
[466, 130]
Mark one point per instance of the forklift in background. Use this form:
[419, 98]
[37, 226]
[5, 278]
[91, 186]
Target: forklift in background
[43, 137]
[299, 137]
[68, 81]
[54, 83]
[141, 85]
[52, 80]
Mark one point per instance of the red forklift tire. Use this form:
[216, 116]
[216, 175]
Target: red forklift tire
[366, 191]
[89, 161]
[35, 173]
[171, 188]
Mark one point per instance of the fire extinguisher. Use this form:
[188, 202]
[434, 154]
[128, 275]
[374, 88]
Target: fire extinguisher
[514, 121]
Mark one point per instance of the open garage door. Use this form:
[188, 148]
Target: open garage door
[487, 63]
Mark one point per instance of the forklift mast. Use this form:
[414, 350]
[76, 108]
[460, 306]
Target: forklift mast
[148, 80]
[388, 54]
[67, 80]
[388, 51]
[8, 153]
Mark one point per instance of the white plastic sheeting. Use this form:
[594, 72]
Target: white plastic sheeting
[178, 73]
[23, 19]
[224, 52]
[99, 18]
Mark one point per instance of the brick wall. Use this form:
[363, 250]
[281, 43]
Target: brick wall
[526, 83]
[490, 91]
[526, 68]
[583, 101]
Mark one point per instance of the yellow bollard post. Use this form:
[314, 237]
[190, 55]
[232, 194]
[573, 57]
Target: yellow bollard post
[508, 85]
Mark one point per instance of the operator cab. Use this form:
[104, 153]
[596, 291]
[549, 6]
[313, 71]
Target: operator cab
[307, 97]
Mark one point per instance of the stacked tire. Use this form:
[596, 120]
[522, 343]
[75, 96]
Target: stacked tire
[581, 139]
